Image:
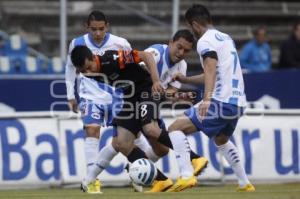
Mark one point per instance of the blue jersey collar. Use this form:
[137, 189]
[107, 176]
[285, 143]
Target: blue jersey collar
[105, 39]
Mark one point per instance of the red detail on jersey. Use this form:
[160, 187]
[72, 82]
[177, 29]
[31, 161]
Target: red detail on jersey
[98, 63]
[136, 56]
[121, 59]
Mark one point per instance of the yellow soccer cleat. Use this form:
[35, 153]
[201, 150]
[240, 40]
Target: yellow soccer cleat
[199, 165]
[182, 184]
[91, 188]
[160, 186]
[247, 188]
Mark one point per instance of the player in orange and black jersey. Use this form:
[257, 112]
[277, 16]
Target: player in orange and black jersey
[121, 69]
[117, 67]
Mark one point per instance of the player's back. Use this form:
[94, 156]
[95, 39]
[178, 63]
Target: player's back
[229, 84]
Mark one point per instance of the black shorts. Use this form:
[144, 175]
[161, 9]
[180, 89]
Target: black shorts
[138, 111]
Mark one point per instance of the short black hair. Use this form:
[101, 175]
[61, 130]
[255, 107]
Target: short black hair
[96, 15]
[198, 13]
[185, 34]
[79, 54]
[257, 29]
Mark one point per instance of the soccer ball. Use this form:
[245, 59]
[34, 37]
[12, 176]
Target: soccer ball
[142, 172]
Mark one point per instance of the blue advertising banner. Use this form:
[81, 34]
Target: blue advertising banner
[275, 89]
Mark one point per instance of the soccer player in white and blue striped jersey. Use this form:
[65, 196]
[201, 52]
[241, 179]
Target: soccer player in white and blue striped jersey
[223, 100]
[169, 59]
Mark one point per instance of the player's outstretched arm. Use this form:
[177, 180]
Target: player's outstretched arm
[70, 76]
[196, 79]
[210, 65]
[148, 59]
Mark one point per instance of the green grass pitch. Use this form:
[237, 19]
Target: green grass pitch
[263, 191]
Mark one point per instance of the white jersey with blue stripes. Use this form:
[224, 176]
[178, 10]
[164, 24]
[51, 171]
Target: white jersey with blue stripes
[165, 68]
[229, 84]
[89, 88]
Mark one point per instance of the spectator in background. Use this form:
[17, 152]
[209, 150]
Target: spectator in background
[290, 49]
[256, 54]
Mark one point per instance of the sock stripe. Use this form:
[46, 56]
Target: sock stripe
[232, 154]
[234, 158]
[101, 167]
[90, 164]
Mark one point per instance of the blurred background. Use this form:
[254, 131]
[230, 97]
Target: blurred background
[35, 34]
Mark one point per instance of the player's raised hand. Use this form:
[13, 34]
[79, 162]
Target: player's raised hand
[203, 108]
[73, 105]
[157, 88]
[179, 77]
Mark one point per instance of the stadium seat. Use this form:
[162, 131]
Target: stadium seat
[57, 66]
[43, 65]
[17, 47]
[17, 64]
[5, 66]
[31, 65]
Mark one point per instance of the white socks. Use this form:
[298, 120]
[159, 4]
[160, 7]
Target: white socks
[144, 145]
[230, 152]
[90, 150]
[105, 155]
[182, 150]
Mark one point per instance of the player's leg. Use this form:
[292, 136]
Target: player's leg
[153, 153]
[185, 125]
[125, 140]
[231, 154]
[104, 157]
[92, 119]
[109, 151]
[230, 115]
[148, 112]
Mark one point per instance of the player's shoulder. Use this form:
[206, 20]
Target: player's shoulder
[77, 41]
[116, 38]
[158, 47]
[214, 35]
[80, 40]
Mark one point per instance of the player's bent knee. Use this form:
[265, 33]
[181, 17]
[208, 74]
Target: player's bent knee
[161, 151]
[152, 131]
[221, 139]
[115, 144]
[124, 148]
[175, 126]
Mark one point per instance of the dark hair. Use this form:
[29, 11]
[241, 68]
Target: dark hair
[185, 34]
[79, 54]
[96, 16]
[257, 29]
[198, 13]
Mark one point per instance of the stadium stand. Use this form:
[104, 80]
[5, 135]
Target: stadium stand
[38, 21]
